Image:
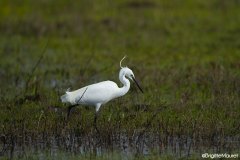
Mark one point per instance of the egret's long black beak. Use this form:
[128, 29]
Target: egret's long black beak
[137, 84]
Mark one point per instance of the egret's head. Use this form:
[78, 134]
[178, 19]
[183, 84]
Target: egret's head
[125, 71]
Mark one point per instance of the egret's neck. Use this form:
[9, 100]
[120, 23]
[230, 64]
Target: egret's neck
[126, 85]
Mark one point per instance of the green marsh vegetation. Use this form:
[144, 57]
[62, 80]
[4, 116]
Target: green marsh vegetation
[185, 55]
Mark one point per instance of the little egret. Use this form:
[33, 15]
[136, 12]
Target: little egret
[100, 93]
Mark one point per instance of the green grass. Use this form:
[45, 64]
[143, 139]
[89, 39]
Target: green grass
[185, 54]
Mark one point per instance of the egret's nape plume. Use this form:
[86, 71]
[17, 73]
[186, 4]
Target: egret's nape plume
[121, 62]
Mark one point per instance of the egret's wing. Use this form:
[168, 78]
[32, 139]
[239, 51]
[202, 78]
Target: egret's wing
[99, 92]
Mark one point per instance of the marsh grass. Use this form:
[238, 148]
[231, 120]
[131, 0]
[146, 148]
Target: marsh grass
[186, 56]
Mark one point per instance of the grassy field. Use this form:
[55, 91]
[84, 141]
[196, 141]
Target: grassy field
[186, 56]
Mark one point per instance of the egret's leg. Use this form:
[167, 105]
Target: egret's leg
[69, 110]
[95, 122]
[96, 113]
[95, 119]
[96, 116]
[70, 107]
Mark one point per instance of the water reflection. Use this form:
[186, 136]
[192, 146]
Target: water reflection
[121, 143]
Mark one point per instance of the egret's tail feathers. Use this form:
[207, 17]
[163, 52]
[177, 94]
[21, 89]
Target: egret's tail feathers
[65, 98]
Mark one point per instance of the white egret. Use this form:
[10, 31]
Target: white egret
[100, 93]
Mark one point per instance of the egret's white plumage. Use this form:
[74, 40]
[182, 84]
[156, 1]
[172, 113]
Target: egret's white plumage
[102, 92]
[98, 93]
